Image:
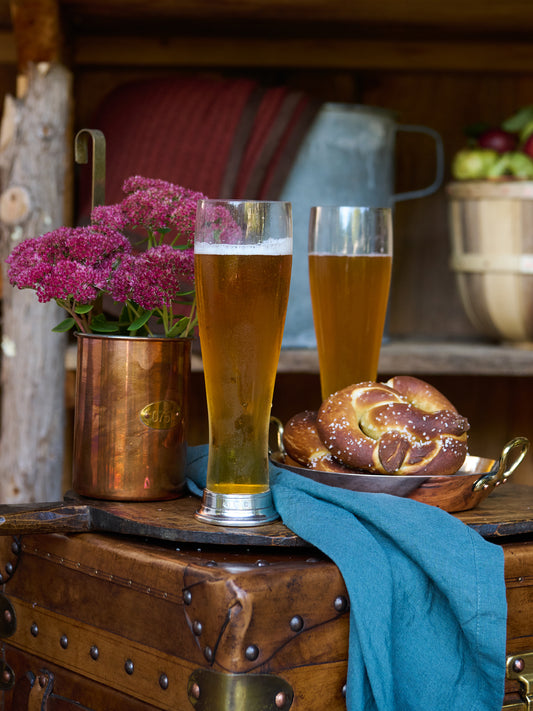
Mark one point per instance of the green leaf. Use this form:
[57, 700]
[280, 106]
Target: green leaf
[474, 130]
[101, 325]
[139, 322]
[84, 308]
[516, 123]
[108, 327]
[526, 131]
[176, 329]
[64, 326]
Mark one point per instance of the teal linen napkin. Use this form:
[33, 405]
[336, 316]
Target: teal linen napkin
[428, 608]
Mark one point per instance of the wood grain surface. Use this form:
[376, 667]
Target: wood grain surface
[508, 511]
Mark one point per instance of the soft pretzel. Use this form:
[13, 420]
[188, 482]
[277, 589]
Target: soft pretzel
[404, 426]
[420, 394]
[302, 443]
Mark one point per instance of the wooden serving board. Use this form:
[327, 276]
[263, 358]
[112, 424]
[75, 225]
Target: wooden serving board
[164, 520]
[507, 512]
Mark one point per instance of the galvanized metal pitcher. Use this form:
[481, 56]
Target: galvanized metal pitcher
[346, 158]
[130, 417]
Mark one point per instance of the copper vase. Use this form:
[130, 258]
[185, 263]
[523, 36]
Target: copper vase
[130, 417]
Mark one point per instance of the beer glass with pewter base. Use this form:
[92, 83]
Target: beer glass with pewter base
[243, 256]
[350, 264]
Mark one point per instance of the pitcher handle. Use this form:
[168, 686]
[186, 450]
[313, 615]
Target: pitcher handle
[439, 169]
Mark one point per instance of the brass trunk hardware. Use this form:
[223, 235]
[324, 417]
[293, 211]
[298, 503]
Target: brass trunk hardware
[11, 565]
[99, 655]
[214, 691]
[41, 689]
[520, 668]
[8, 619]
[7, 677]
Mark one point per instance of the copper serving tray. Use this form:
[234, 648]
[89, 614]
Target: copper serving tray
[461, 491]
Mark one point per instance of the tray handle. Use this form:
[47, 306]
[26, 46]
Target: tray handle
[512, 455]
[276, 425]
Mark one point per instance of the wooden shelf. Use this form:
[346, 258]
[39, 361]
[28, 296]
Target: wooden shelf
[454, 15]
[432, 358]
[425, 358]
[302, 52]
[410, 357]
[332, 34]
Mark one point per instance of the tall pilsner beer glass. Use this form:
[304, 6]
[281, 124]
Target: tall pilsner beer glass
[243, 255]
[350, 263]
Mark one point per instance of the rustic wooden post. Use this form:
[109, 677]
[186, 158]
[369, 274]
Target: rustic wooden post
[34, 160]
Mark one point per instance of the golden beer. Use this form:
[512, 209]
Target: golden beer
[242, 293]
[349, 294]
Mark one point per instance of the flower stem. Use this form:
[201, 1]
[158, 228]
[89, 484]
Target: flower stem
[134, 314]
[191, 319]
[81, 322]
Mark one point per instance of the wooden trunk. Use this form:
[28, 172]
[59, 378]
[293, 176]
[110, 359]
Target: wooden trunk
[120, 622]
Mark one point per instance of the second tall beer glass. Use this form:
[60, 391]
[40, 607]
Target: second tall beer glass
[243, 255]
[350, 263]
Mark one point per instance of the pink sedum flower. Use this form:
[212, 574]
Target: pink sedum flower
[154, 206]
[153, 279]
[78, 266]
[219, 226]
[67, 263]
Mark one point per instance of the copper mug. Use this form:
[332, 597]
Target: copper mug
[130, 417]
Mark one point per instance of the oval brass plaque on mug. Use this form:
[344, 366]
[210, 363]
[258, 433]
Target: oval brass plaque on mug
[161, 415]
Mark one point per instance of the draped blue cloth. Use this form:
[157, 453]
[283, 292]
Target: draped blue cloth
[428, 608]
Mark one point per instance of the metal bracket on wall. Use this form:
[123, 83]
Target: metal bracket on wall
[81, 155]
[215, 691]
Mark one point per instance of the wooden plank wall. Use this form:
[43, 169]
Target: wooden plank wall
[424, 300]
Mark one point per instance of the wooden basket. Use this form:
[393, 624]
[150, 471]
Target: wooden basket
[491, 226]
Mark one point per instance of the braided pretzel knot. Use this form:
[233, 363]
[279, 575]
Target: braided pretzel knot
[404, 426]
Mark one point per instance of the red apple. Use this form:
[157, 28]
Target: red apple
[498, 140]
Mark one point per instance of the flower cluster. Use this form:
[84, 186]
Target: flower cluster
[138, 253]
[219, 226]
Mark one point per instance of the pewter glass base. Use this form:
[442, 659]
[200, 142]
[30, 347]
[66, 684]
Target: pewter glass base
[237, 509]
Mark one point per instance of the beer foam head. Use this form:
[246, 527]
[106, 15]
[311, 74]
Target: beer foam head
[269, 247]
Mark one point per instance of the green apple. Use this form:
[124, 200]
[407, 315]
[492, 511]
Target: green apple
[514, 163]
[473, 163]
